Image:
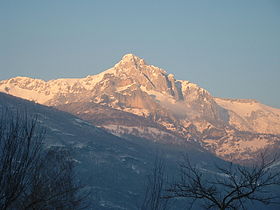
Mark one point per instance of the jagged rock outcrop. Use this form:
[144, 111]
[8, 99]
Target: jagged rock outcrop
[181, 109]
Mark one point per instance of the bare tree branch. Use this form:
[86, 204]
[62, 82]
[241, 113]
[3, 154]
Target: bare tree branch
[30, 176]
[232, 186]
[153, 199]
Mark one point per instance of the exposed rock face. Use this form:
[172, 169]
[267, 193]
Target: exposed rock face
[170, 109]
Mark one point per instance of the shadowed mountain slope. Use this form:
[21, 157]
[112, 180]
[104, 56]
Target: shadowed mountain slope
[113, 169]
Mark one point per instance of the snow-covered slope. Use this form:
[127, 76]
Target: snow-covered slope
[131, 85]
[250, 115]
[168, 108]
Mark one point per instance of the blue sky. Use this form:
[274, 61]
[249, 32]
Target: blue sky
[229, 47]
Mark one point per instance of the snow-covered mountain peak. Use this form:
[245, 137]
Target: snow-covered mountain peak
[129, 56]
[130, 60]
[134, 87]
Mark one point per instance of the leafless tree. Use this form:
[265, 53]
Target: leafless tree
[20, 151]
[53, 186]
[231, 187]
[155, 187]
[30, 176]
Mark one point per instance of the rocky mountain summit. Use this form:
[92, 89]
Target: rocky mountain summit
[136, 99]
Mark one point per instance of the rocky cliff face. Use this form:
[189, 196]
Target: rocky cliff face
[168, 108]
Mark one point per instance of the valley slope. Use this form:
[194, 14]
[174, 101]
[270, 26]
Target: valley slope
[113, 170]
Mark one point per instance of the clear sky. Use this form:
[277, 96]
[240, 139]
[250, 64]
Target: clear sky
[229, 47]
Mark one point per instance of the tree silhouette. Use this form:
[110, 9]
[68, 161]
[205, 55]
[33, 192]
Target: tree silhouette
[155, 187]
[30, 176]
[231, 187]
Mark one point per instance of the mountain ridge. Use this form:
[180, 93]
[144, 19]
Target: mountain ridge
[178, 106]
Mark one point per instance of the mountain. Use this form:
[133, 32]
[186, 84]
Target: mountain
[136, 99]
[255, 117]
[114, 170]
